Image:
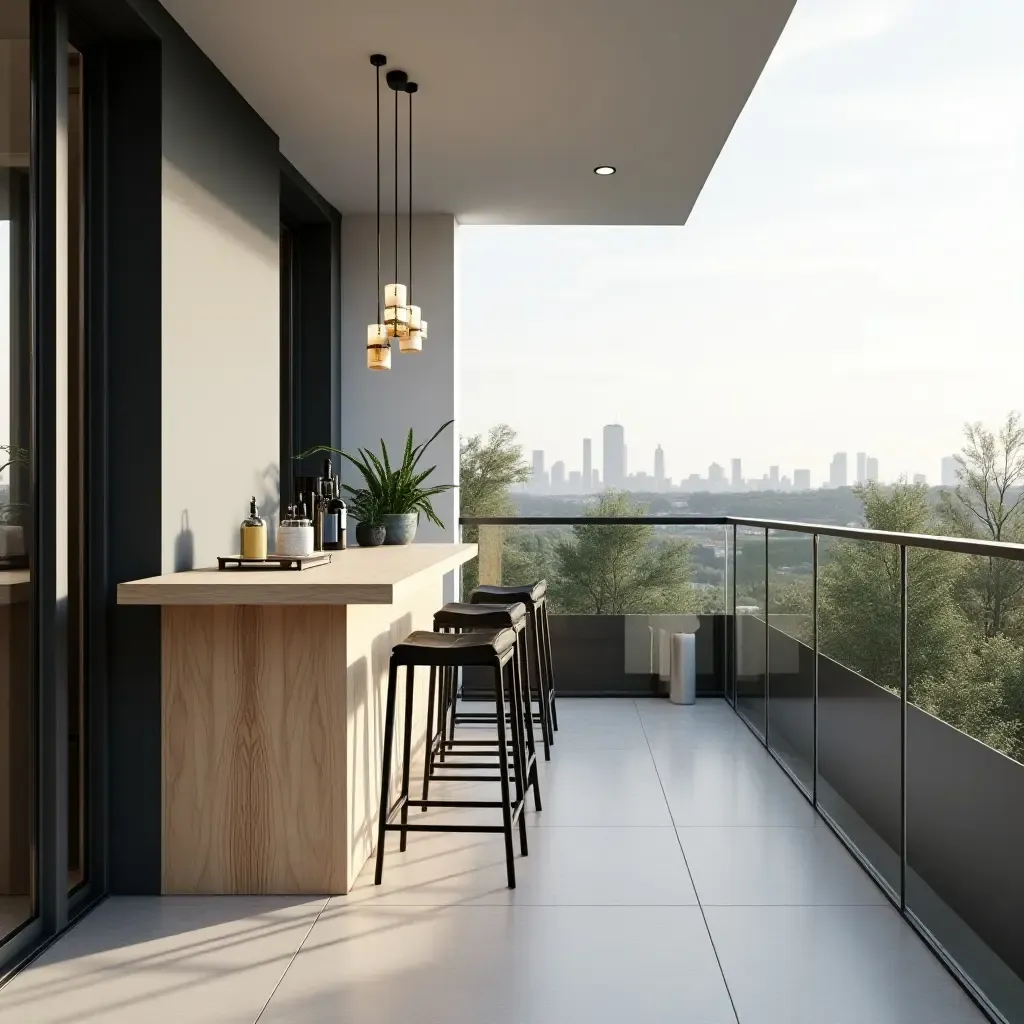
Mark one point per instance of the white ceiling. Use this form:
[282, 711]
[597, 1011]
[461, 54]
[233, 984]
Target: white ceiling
[519, 99]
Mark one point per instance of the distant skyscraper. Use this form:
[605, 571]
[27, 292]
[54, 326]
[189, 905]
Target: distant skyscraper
[558, 478]
[575, 481]
[539, 479]
[949, 468]
[802, 479]
[920, 478]
[872, 471]
[773, 476]
[862, 467]
[737, 473]
[588, 465]
[716, 475]
[614, 457]
[837, 471]
[595, 483]
[659, 468]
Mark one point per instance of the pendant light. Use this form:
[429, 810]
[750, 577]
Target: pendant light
[417, 325]
[396, 308]
[378, 347]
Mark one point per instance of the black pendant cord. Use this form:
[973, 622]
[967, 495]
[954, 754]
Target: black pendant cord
[378, 197]
[396, 198]
[411, 88]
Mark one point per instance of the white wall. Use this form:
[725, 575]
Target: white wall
[220, 348]
[420, 390]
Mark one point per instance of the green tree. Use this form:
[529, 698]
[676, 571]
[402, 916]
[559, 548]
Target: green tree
[859, 611]
[988, 503]
[622, 569]
[488, 467]
[982, 694]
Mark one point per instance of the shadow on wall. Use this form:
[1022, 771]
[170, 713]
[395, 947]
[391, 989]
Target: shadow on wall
[184, 546]
[203, 118]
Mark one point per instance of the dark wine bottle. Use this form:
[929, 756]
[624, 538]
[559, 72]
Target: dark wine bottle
[337, 507]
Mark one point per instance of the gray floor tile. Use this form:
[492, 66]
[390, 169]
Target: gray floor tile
[578, 787]
[832, 965]
[505, 965]
[597, 866]
[199, 959]
[714, 781]
[764, 865]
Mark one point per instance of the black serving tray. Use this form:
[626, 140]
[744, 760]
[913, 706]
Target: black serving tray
[293, 563]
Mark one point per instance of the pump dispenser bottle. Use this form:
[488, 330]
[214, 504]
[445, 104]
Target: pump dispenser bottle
[253, 533]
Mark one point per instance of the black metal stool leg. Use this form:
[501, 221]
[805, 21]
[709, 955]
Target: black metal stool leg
[552, 698]
[407, 755]
[518, 756]
[428, 756]
[385, 772]
[526, 713]
[542, 691]
[506, 806]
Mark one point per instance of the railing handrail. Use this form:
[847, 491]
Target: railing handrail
[957, 545]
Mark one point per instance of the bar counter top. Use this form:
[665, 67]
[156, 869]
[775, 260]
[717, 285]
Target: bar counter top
[355, 576]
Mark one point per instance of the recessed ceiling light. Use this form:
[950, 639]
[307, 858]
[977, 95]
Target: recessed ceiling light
[604, 169]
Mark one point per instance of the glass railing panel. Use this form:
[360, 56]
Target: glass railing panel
[791, 652]
[750, 625]
[859, 715]
[965, 764]
[617, 593]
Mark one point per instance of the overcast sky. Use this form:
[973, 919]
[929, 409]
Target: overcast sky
[851, 278]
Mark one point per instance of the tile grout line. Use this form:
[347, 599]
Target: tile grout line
[291, 959]
[686, 864]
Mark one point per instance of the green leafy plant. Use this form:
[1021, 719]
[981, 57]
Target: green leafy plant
[364, 507]
[396, 491]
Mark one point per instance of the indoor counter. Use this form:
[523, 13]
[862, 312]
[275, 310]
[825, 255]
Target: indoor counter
[273, 685]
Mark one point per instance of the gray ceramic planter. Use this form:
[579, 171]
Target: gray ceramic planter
[400, 529]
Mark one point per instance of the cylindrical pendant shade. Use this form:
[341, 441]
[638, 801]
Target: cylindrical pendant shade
[413, 343]
[423, 329]
[415, 315]
[378, 347]
[396, 312]
[395, 295]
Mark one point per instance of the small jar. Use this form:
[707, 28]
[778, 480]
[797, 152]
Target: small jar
[295, 535]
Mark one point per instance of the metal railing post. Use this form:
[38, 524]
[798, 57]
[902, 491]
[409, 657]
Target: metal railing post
[814, 635]
[767, 652]
[903, 727]
[735, 619]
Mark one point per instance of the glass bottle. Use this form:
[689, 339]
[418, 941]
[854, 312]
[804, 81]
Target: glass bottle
[253, 533]
[337, 507]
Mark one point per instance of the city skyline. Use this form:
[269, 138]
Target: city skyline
[656, 475]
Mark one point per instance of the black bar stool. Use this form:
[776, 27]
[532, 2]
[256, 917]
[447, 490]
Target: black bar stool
[485, 648]
[541, 688]
[459, 617]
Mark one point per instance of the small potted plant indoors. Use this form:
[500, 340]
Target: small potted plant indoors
[395, 496]
[365, 509]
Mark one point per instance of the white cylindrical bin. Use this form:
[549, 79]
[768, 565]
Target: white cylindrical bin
[683, 685]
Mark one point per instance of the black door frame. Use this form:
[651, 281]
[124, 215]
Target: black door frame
[310, 326]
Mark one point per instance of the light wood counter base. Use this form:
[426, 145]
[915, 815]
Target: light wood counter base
[272, 729]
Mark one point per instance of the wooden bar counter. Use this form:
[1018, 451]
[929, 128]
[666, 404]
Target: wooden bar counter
[273, 687]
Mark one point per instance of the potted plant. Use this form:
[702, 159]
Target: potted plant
[400, 493]
[365, 509]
